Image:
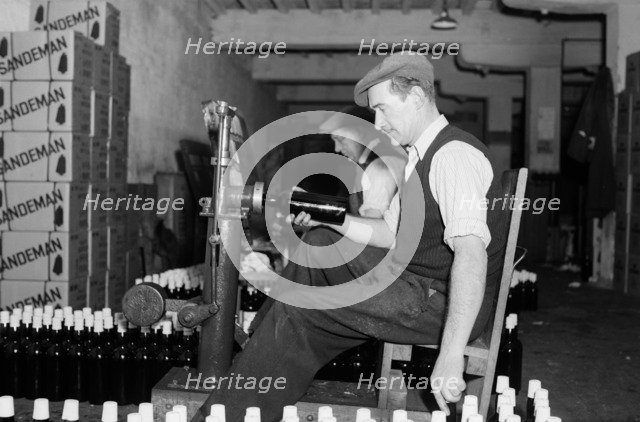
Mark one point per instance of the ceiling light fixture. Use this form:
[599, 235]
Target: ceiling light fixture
[444, 21]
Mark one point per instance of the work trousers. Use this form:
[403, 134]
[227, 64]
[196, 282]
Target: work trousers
[292, 344]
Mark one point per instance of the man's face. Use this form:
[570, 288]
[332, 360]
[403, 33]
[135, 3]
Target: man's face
[345, 143]
[396, 117]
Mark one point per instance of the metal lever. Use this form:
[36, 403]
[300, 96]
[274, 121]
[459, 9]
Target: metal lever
[193, 313]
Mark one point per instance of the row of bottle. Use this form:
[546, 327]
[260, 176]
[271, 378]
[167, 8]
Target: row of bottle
[179, 283]
[523, 292]
[85, 356]
[251, 299]
[538, 409]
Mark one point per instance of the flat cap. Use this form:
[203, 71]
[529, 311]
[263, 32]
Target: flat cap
[409, 65]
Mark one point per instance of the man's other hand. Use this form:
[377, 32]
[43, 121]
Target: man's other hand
[302, 219]
[447, 383]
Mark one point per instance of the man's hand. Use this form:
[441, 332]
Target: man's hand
[302, 219]
[447, 383]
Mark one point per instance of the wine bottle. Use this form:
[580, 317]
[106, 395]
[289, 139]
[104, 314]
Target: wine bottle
[7, 412]
[122, 368]
[164, 356]
[542, 413]
[5, 330]
[514, 299]
[534, 385]
[54, 368]
[34, 378]
[12, 360]
[109, 411]
[143, 367]
[40, 410]
[533, 299]
[505, 411]
[97, 366]
[134, 417]
[510, 357]
[469, 407]
[75, 364]
[70, 411]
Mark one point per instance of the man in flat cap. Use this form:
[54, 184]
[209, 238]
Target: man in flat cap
[444, 291]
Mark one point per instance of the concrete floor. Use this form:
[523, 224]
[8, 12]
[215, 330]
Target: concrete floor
[584, 345]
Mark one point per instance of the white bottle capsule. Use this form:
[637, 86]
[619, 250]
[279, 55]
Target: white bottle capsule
[6, 407]
[289, 412]
[400, 415]
[145, 410]
[172, 417]
[109, 411]
[324, 412]
[363, 414]
[134, 417]
[534, 385]
[501, 383]
[182, 411]
[218, 411]
[41, 410]
[438, 416]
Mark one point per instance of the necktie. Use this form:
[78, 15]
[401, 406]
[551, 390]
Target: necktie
[411, 162]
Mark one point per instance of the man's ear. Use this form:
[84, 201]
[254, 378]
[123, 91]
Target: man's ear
[418, 96]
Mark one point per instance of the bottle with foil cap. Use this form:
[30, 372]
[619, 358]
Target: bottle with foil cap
[70, 411]
[11, 358]
[40, 410]
[534, 386]
[7, 411]
[510, 356]
[54, 369]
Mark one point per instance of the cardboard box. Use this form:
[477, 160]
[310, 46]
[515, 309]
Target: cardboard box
[44, 56]
[97, 290]
[120, 78]
[99, 158]
[18, 293]
[118, 118]
[100, 124]
[174, 186]
[634, 234]
[101, 69]
[625, 100]
[620, 269]
[42, 206]
[57, 106]
[117, 162]
[633, 277]
[97, 20]
[116, 214]
[635, 124]
[56, 256]
[45, 156]
[97, 215]
[632, 77]
[623, 194]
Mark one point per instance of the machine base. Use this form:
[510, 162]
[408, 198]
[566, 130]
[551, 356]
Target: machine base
[344, 398]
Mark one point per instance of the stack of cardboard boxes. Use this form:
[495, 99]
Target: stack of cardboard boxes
[627, 239]
[63, 127]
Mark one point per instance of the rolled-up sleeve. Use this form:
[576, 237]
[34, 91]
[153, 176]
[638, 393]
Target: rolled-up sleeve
[459, 179]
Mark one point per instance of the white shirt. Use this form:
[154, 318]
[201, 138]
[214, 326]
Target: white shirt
[380, 182]
[459, 179]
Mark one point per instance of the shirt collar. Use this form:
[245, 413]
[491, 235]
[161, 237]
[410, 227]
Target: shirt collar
[429, 135]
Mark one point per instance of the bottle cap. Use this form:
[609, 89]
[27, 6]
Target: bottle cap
[399, 415]
[109, 411]
[541, 393]
[513, 418]
[182, 411]
[297, 419]
[5, 317]
[138, 281]
[475, 418]
[253, 411]
[468, 410]
[56, 324]
[58, 313]
[48, 309]
[107, 322]
[251, 418]
[17, 311]
[289, 412]
[27, 318]
[166, 330]
[331, 419]
[363, 414]
[68, 321]
[218, 411]
[148, 279]
[122, 327]
[106, 312]
[78, 324]
[14, 321]
[172, 417]
[37, 323]
[324, 412]
[89, 321]
[70, 410]
[40, 410]
[534, 385]
[78, 314]
[534, 277]
[68, 310]
[438, 416]
[6, 407]
[156, 278]
[511, 394]
[514, 317]
[28, 309]
[542, 413]
[134, 417]
[212, 418]
[471, 400]
[502, 383]
[98, 315]
[46, 320]
[38, 312]
[540, 403]
[505, 410]
[554, 419]
[86, 311]
[503, 401]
